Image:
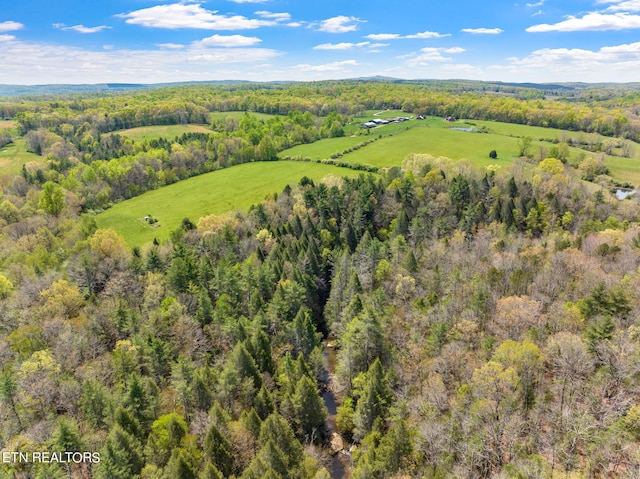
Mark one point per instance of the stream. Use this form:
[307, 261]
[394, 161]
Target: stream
[340, 465]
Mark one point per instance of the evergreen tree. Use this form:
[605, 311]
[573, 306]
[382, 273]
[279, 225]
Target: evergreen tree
[121, 456]
[374, 399]
[310, 411]
[218, 450]
[277, 430]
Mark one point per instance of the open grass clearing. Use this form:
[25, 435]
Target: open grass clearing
[221, 115]
[218, 192]
[323, 149]
[14, 155]
[162, 131]
[11, 124]
[475, 147]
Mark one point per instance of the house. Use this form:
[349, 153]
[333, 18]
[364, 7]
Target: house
[450, 118]
[368, 124]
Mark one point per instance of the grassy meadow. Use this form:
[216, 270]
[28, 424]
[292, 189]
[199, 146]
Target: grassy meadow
[230, 189]
[14, 155]
[221, 115]
[161, 131]
[436, 137]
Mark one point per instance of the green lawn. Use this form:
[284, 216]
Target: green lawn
[437, 142]
[161, 131]
[14, 155]
[225, 190]
[221, 115]
[323, 149]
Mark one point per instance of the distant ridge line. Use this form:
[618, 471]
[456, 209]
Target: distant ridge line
[7, 90]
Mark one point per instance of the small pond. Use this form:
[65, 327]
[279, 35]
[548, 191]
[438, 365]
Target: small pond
[461, 129]
[622, 194]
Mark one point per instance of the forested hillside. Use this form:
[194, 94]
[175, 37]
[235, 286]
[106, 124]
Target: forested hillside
[466, 322]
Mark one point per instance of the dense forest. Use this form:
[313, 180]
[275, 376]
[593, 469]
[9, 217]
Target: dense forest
[467, 323]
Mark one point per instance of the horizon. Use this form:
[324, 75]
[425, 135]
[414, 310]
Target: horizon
[155, 42]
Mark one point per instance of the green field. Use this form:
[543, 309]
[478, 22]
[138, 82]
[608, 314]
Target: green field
[14, 155]
[225, 190]
[221, 115]
[323, 149]
[435, 137]
[161, 131]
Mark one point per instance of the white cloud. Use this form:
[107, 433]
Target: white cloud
[625, 6]
[278, 17]
[537, 4]
[327, 67]
[32, 63]
[397, 36]
[340, 46]
[10, 26]
[180, 15]
[430, 55]
[616, 63]
[339, 24]
[6, 38]
[171, 46]
[428, 35]
[383, 36]
[81, 28]
[591, 22]
[483, 31]
[227, 41]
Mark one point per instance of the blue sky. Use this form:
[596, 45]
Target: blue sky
[150, 41]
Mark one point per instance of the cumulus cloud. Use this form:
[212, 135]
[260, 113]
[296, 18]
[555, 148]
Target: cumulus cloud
[483, 31]
[340, 46]
[6, 38]
[171, 46]
[181, 15]
[339, 24]
[327, 67]
[627, 6]
[10, 26]
[397, 36]
[383, 36]
[593, 21]
[431, 55]
[609, 63]
[30, 62]
[227, 41]
[278, 17]
[81, 28]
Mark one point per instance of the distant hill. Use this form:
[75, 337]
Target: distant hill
[450, 85]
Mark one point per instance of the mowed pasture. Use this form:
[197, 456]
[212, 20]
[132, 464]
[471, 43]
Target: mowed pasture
[438, 138]
[14, 155]
[161, 131]
[323, 149]
[221, 115]
[235, 188]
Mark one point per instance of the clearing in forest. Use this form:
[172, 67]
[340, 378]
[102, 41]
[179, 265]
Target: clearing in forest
[233, 188]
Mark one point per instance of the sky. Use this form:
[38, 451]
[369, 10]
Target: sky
[153, 41]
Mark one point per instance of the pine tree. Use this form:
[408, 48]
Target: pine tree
[310, 411]
[121, 456]
[276, 429]
[373, 401]
[219, 451]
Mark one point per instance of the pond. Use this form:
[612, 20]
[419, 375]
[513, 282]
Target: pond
[622, 194]
[462, 129]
